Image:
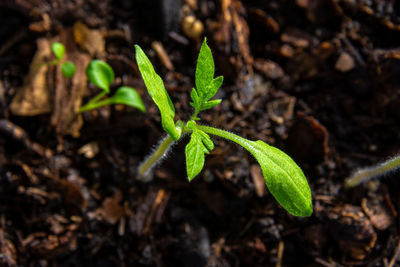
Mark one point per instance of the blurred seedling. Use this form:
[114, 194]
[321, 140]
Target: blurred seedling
[68, 68]
[283, 177]
[102, 75]
[365, 174]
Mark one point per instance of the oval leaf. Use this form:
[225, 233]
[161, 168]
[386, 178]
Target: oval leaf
[100, 74]
[58, 50]
[127, 96]
[156, 89]
[68, 69]
[284, 179]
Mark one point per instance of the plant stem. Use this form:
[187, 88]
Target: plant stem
[368, 173]
[160, 152]
[247, 144]
[92, 103]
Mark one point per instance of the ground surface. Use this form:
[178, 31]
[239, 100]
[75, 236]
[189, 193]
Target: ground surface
[318, 79]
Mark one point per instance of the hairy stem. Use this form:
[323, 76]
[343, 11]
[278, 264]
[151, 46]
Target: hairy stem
[247, 144]
[159, 153]
[368, 173]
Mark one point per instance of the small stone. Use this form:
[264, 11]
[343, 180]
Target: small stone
[345, 62]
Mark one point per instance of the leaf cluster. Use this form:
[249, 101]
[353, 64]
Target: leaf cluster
[101, 75]
[68, 68]
[283, 176]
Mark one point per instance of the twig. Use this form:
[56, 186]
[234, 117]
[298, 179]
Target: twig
[395, 255]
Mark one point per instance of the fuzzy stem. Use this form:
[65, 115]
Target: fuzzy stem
[156, 155]
[247, 144]
[368, 173]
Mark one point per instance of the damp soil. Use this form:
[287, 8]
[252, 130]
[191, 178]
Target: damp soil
[318, 79]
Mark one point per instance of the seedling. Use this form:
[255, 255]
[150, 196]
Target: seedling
[68, 68]
[102, 75]
[283, 177]
[368, 173]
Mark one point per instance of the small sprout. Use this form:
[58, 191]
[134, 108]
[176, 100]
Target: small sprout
[102, 75]
[68, 69]
[282, 175]
[58, 50]
[365, 174]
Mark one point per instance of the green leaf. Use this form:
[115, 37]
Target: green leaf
[206, 85]
[127, 96]
[210, 104]
[213, 87]
[195, 98]
[204, 70]
[199, 145]
[156, 89]
[58, 50]
[100, 74]
[284, 179]
[68, 69]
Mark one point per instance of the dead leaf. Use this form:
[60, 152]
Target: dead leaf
[111, 209]
[33, 98]
[89, 40]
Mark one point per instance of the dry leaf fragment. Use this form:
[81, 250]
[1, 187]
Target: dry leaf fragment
[33, 98]
[258, 179]
[112, 209]
[89, 40]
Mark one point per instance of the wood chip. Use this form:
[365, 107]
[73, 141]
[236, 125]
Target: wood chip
[270, 69]
[162, 55]
[258, 180]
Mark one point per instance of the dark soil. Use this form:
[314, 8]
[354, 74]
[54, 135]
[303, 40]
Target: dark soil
[319, 79]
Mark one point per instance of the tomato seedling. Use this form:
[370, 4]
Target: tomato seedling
[283, 177]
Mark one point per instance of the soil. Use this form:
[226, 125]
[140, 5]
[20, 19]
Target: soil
[318, 79]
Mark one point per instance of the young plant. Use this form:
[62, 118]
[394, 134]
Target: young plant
[368, 173]
[102, 75]
[283, 177]
[68, 68]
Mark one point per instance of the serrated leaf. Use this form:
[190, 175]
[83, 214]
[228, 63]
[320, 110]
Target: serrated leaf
[284, 178]
[213, 87]
[100, 74]
[127, 96]
[156, 90]
[205, 138]
[195, 153]
[195, 98]
[204, 70]
[68, 69]
[200, 144]
[210, 104]
[58, 50]
[206, 85]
